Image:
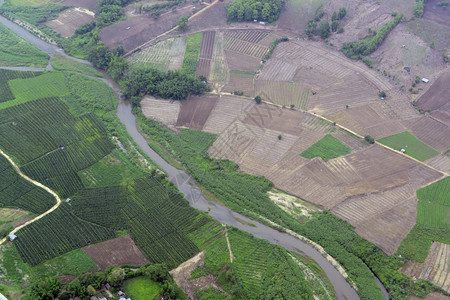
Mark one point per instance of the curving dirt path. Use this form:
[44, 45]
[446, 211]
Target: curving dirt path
[58, 200]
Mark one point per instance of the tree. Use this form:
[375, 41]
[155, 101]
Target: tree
[324, 28]
[45, 289]
[342, 13]
[346, 106]
[258, 99]
[334, 16]
[334, 25]
[369, 139]
[292, 106]
[183, 23]
[280, 137]
[382, 94]
[157, 272]
[311, 27]
[75, 288]
[116, 276]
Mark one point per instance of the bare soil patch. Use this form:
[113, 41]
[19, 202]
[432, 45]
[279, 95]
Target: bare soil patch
[437, 96]
[162, 110]
[195, 111]
[115, 252]
[431, 296]
[182, 276]
[203, 67]
[244, 84]
[436, 13]
[206, 48]
[69, 20]
[252, 36]
[87, 4]
[135, 31]
[241, 62]
[436, 267]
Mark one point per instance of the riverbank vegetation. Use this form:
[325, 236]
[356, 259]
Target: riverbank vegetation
[15, 51]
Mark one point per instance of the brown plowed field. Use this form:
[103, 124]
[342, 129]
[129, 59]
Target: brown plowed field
[252, 36]
[440, 162]
[277, 70]
[431, 132]
[162, 110]
[142, 28]
[241, 62]
[275, 118]
[283, 93]
[203, 67]
[244, 47]
[206, 48]
[88, 4]
[442, 115]
[437, 95]
[69, 20]
[195, 111]
[435, 13]
[244, 84]
[115, 252]
[227, 109]
[436, 267]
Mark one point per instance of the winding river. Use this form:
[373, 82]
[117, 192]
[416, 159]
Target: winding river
[192, 192]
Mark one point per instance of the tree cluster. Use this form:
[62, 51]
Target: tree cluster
[156, 9]
[87, 285]
[368, 45]
[171, 85]
[419, 5]
[324, 27]
[110, 11]
[249, 10]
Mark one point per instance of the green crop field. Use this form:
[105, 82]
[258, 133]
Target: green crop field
[73, 263]
[62, 63]
[44, 126]
[5, 76]
[114, 169]
[193, 43]
[433, 208]
[413, 146]
[32, 3]
[58, 233]
[327, 148]
[50, 84]
[15, 51]
[433, 221]
[17, 192]
[142, 288]
[199, 140]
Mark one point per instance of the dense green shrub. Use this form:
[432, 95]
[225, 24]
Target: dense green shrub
[249, 10]
[368, 45]
[272, 47]
[419, 5]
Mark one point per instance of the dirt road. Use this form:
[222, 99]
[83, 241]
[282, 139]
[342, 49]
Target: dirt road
[58, 200]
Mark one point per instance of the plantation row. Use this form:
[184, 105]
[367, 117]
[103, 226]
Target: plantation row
[51, 144]
[5, 75]
[18, 192]
[158, 219]
[252, 36]
[57, 233]
[327, 148]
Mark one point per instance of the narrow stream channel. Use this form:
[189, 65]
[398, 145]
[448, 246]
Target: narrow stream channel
[192, 192]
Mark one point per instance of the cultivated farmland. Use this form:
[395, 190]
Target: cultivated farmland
[435, 268]
[115, 252]
[195, 111]
[436, 97]
[163, 110]
[413, 146]
[69, 20]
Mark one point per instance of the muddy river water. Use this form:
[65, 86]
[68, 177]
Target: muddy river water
[192, 192]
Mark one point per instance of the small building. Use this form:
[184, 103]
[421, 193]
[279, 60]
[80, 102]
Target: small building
[120, 294]
[12, 237]
[255, 21]
[262, 23]
[425, 80]
[403, 150]
[68, 200]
